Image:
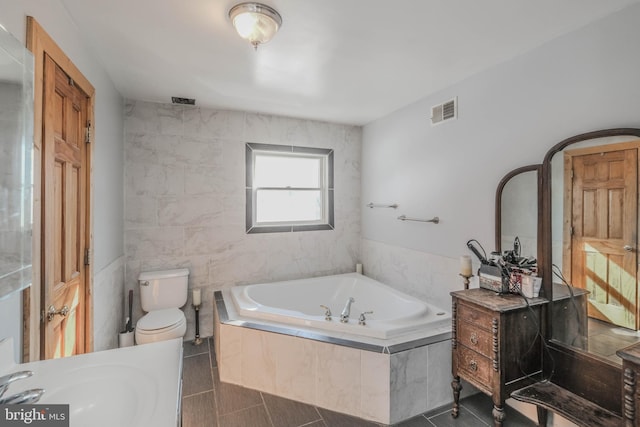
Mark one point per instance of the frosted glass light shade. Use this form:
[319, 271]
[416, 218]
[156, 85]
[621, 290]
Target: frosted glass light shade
[255, 22]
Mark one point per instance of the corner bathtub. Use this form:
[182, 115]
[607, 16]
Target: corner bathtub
[297, 302]
[274, 338]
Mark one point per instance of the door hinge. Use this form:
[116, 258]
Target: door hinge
[571, 174]
[571, 230]
[87, 256]
[87, 133]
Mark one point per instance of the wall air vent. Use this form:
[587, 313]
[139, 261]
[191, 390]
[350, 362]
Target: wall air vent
[445, 111]
[185, 101]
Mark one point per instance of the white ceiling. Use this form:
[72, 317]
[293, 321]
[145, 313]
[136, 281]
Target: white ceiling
[347, 61]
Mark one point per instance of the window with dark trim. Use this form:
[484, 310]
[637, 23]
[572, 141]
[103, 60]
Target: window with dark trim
[288, 188]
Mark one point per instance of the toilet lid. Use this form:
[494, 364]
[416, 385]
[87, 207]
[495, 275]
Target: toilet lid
[160, 319]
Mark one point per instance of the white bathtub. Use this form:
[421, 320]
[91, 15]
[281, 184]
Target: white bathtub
[297, 302]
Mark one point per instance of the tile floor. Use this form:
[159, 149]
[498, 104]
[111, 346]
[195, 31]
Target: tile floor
[208, 402]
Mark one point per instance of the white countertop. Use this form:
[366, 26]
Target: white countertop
[136, 386]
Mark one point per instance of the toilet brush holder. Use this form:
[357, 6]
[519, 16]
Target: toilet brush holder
[125, 339]
[197, 340]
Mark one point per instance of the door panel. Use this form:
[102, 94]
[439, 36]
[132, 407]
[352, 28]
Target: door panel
[64, 212]
[604, 219]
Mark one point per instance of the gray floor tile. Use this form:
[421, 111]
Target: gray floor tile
[480, 405]
[190, 350]
[214, 362]
[251, 417]
[196, 374]
[231, 398]
[199, 410]
[289, 413]
[419, 421]
[465, 419]
[335, 419]
[516, 419]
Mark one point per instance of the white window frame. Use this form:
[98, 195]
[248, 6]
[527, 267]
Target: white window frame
[326, 188]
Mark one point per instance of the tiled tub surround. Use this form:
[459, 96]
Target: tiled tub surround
[428, 277]
[185, 200]
[385, 381]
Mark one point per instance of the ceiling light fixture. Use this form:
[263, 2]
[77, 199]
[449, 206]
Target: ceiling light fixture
[255, 22]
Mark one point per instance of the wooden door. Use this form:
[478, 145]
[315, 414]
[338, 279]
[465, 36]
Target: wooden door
[603, 234]
[64, 172]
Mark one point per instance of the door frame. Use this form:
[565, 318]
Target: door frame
[567, 210]
[40, 43]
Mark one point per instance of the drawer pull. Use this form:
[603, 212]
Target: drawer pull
[473, 365]
[473, 338]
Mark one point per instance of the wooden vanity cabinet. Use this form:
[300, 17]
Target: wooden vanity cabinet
[496, 344]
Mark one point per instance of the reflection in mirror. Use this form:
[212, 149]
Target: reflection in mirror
[519, 212]
[16, 143]
[594, 223]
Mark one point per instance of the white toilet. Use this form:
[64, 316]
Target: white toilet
[161, 295]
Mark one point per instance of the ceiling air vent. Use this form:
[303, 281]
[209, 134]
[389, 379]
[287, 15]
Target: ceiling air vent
[445, 111]
[185, 101]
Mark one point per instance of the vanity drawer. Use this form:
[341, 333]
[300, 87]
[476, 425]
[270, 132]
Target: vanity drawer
[476, 339]
[475, 317]
[476, 366]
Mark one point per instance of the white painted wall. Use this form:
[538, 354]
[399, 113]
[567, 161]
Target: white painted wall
[509, 116]
[108, 168]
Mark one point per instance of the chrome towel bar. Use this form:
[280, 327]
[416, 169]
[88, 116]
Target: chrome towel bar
[382, 205]
[434, 220]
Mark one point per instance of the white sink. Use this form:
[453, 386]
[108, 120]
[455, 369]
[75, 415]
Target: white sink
[131, 394]
[134, 386]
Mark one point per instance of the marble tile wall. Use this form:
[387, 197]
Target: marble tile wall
[108, 305]
[429, 277]
[185, 200]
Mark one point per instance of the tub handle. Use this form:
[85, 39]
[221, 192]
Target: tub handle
[327, 312]
[362, 320]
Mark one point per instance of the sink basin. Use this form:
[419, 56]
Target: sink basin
[134, 386]
[131, 394]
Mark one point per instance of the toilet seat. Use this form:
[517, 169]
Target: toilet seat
[160, 325]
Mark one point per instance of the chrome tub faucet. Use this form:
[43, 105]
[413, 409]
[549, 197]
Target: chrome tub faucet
[327, 312]
[344, 316]
[362, 320]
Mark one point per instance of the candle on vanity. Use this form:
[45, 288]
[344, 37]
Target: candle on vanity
[197, 297]
[465, 266]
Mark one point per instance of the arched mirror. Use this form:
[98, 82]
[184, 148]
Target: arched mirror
[589, 238]
[517, 210]
[587, 245]
[593, 219]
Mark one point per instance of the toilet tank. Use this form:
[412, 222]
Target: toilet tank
[163, 289]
